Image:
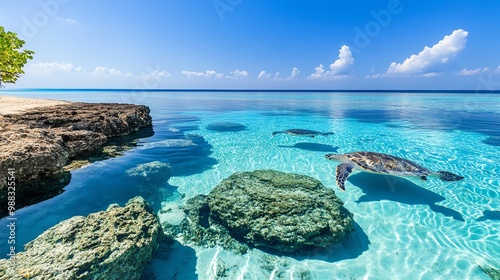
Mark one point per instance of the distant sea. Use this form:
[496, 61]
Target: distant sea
[406, 228]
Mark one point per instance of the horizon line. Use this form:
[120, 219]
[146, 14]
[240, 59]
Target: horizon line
[259, 90]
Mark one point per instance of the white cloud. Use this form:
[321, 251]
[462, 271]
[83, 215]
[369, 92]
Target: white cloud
[467, 72]
[374, 76]
[104, 71]
[343, 63]
[320, 70]
[148, 78]
[66, 20]
[211, 74]
[237, 74]
[340, 68]
[295, 72]
[56, 67]
[156, 74]
[428, 61]
[264, 75]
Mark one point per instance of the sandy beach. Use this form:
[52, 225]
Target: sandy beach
[13, 105]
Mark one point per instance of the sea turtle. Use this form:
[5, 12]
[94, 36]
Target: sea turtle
[383, 164]
[302, 132]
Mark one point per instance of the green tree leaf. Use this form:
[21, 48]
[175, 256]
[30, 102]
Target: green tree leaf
[12, 57]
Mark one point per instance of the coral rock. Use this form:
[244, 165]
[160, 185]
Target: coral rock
[112, 244]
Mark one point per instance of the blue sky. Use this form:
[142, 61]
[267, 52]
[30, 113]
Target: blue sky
[258, 44]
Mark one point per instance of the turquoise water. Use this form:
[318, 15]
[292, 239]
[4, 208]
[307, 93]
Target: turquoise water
[407, 229]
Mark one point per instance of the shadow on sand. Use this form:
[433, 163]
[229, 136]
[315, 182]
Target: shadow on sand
[315, 147]
[350, 247]
[383, 187]
[489, 215]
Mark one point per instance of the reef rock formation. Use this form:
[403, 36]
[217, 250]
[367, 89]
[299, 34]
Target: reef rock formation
[152, 171]
[112, 244]
[268, 209]
[38, 143]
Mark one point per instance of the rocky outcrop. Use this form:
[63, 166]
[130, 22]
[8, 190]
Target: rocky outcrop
[154, 171]
[37, 144]
[112, 244]
[267, 209]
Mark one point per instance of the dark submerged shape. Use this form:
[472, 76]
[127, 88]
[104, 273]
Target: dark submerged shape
[226, 126]
[302, 132]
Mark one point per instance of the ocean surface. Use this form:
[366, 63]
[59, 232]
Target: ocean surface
[406, 228]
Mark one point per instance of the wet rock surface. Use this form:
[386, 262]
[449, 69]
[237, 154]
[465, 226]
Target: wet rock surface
[113, 244]
[278, 211]
[37, 144]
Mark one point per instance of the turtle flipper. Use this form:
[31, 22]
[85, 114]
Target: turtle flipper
[277, 132]
[448, 176]
[343, 171]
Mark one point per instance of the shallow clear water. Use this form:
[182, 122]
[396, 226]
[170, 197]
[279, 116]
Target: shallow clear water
[406, 228]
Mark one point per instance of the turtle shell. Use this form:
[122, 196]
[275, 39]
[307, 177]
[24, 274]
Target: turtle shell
[382, 163]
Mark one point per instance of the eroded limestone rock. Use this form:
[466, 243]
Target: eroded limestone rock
[112, 244]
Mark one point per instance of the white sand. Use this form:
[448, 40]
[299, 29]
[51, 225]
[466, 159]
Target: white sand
[13, 105]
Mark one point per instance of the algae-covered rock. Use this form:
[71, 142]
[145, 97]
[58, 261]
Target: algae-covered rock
[112, 244]
[152, 171]
[280, 211]
[268, 209]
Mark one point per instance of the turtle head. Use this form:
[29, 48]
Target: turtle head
[338, 157]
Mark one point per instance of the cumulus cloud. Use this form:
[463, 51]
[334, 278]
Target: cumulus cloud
[56, 67]
[237, 74]
[467, 72]
[66, 20]
[156, 75]
[295, 73]
[340, 68]
[104, 71]
[263, 75]
[100, 71]
[428, 61]
[211, 74]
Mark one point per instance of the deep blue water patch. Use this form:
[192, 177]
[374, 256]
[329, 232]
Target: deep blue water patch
[492, 140]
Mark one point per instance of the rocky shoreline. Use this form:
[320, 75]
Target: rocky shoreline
[38, 143]
[114, 244]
